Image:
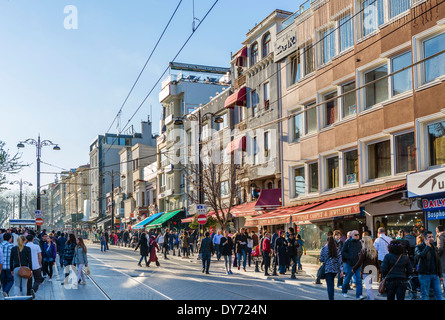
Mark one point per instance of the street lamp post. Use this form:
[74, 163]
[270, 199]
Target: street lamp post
[39, 145]
[112, 174]
[21, 183]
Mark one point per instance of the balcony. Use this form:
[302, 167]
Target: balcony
[240, 81]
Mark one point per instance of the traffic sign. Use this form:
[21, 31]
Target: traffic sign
[202, 219]
[201, 208]
[39, 221]
[38, 214]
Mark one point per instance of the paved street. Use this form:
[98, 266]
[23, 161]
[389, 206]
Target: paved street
[116, 276]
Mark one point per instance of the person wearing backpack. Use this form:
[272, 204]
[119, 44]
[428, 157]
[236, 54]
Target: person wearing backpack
[300, 251]
[381, 244]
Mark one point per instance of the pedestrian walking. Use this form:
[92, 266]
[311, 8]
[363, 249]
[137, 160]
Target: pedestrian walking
[267, 251]
[367, 259]
[429, 268]
[292, 252]
[60, 242]
[241, 248]
[107, 239]
[338, 236]
[381, 245]
[350, 255]
[80, 260]
[301, 250]
[144, 250]
[6, 278]
[185, 245]
[20, 257]
[154, 247]
[217, 244]
[226, 251]
[69, 253]
[165, 245]
[440, 236]
[396, 268]
[103, 243]
[331, 256]
[206, 251]
[49, 255]
[280, 250]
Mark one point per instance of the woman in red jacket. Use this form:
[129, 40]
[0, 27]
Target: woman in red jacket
[153, 246]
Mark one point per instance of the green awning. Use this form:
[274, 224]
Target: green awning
[164, 218]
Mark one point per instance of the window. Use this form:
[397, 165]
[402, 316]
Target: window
[310, 118]
[434, 67]
[402, 81]
[313, 177]
[327, 45]
[295, 69]
[224, 188]
[351, 167]
[266, 45]
[254, 101]
[377, 91]
[397, 7]
[436, 143]
[266, 95]
[349, 106]
[255, 151]
[266, 144]
[309, 63]
[332, 173]
[372, 15]
[299, 181]
[345, 32]
[379, 160]
[254, 54]
[405, 152]
[330, 108]
[296, 126]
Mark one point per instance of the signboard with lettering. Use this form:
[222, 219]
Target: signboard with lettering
[286, 44]
[425, 182]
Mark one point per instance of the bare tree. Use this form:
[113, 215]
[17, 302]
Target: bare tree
[9, 164]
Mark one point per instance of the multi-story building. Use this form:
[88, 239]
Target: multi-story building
[105, 160]
[186, 87]
[361, 91]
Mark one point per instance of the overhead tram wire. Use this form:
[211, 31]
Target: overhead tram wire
[145, 65]
[160, 78]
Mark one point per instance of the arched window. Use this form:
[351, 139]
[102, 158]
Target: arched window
[254, 54]
[266, 45]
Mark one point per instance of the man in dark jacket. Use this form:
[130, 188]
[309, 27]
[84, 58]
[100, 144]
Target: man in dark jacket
[429, 268]
[350, 253]
[206, 251]
[61, 247]
[241, 248]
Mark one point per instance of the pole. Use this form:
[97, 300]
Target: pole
[38, 177]
[20, 199]
[200, 193]
[112, 200]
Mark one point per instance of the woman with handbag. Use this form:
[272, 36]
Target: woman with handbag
[49, 254]
[330, 256]
[21, 264]
[396, 268]
[368, 264]
[80, 259]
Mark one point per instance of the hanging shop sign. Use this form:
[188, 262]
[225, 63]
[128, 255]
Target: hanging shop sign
[424, 183]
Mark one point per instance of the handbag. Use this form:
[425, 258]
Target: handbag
[24, 272]
[382, 284]
[87, 270]
[321, 273]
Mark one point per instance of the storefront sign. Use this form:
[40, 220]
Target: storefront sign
[435, 215]
[286, 44]
[433, 204]
[328, 213]
[425, 182]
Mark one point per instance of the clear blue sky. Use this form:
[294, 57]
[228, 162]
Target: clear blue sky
[68, 85]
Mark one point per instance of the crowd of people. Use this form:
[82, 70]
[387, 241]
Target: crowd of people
[28, 258]
[398, 262]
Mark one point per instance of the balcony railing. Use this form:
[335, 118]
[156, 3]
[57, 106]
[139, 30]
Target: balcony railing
[240, 81]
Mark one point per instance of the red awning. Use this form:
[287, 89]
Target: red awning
[240, 56]
[340, 207]
[238, 98]
[269, 199]
[245, 209]
[238, 144]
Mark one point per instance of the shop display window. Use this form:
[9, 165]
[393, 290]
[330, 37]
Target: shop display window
[409, 222]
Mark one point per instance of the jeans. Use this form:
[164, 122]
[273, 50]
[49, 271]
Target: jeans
[330, 276]
[357, 277]
[170, 244]
[20, 284]
[48, 268]
[7, 280]
[145, 258]
[80, 274]
[238, 256]
[299, 262]
[206, 261]
[430, 280]
[266, 259]
[395, 288]
[103, 246]
[38, 279]
[218, 251]
[228, 262]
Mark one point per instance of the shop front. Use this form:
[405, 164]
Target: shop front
[428, 188]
